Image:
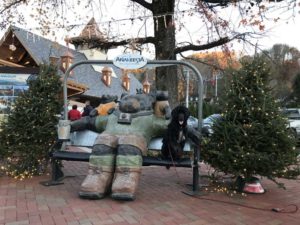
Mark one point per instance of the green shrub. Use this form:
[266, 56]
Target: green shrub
[30, 129]
[252, 138]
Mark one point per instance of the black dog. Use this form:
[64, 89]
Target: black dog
[176, 134]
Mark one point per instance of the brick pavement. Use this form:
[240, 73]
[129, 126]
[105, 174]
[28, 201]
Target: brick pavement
[160, 201]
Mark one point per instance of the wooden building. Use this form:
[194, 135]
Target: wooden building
[21, 53]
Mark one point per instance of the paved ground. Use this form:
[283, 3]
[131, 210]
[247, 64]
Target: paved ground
[159, 201]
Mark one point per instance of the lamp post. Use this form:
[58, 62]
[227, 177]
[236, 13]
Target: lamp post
[216, 86]
[126, 81]
[217, 77]
[146, 85]
[187, 73]
[106, 75]
[66, 59]
[53, 60]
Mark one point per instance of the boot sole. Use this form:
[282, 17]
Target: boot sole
[123, 196]
[90, 195]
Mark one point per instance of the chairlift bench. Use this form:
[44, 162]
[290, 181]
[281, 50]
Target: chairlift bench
[87, 138]
[58, 154]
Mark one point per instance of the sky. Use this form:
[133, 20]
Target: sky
[286, 31]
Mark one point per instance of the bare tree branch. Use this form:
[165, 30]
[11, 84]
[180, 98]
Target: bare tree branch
[107, 45]
[226, 2]
[143, 3]
[8, 6]
[202, 61]
[210, 45]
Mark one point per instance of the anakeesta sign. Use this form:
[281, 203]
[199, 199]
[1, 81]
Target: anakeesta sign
[130, 61]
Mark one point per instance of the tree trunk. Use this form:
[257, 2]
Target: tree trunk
[164, 32]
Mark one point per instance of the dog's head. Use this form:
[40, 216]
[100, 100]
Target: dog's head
[180, 115]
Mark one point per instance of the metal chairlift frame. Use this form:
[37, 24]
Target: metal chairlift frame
[196, 155]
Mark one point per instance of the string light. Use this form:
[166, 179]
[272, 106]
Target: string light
[12, 46]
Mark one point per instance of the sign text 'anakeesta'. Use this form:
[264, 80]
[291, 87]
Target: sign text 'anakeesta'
[130, 61]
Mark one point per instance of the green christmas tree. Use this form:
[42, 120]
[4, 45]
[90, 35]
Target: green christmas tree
[30, 129]
[251, 138]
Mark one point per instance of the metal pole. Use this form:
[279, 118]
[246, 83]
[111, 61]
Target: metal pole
[216, 86]
[196, 177]
[187, 88]
[205, 89]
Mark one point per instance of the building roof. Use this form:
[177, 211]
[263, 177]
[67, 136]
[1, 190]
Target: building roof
[40, 48]
[8, 63]
[91, 30]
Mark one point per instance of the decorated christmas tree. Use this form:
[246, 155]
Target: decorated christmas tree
[252, 138]
[30, 129]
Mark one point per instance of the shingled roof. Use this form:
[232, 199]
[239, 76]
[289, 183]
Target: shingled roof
[89, 36]
[91, 30]
[41, 48]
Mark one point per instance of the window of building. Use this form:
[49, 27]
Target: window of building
[11, 86]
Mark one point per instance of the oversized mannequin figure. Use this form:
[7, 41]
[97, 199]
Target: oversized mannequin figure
[116, 161]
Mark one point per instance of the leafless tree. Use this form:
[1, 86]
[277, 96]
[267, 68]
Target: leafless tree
[167, 18]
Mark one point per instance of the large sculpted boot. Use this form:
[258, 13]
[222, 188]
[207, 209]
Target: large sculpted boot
[127, 173]
[100, 174]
